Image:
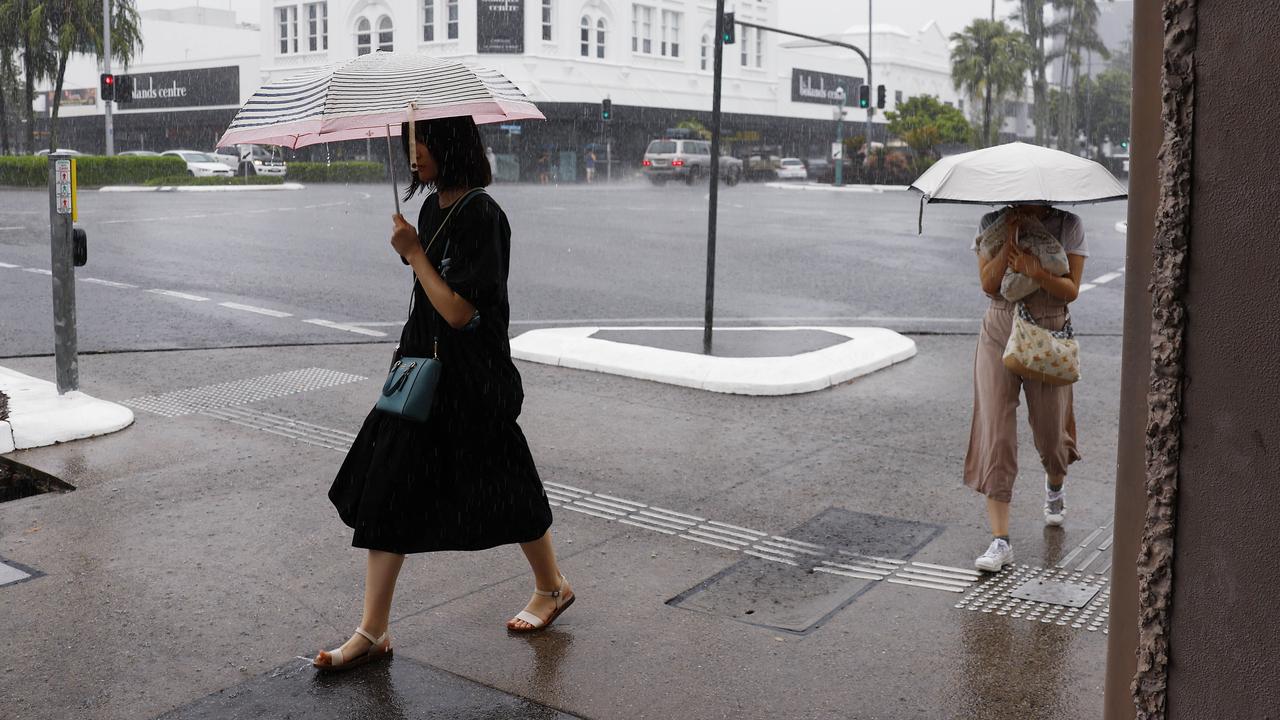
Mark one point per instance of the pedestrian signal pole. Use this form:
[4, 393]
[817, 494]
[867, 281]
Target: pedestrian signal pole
[722, 34]
[68, 248]
[106, 70]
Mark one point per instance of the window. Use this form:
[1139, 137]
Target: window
[318, 26]
[287, 20]
[706, 51]
[451, 26]
[586, 36]
[642, 29]
[364, 37]
[745, 39]
[897, 98]
[670, 34]
[759, 48]
[602, 30]
[386, 35]
[546, 20]
[428, 20]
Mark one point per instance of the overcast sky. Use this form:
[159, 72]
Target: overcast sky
[815, 16]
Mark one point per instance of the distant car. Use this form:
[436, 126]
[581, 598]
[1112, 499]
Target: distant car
[792, 169]
[61, 150]
[687, 160]
[200, 164]
[138, 153]
[250, 160]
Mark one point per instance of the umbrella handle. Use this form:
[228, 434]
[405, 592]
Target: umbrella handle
[413, 140]
[391, 167]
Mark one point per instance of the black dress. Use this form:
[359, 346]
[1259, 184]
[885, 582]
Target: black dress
[464, 479]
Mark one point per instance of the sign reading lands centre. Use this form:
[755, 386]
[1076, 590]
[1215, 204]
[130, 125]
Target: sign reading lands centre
[500, 26]
[812, 86]
[201, 87]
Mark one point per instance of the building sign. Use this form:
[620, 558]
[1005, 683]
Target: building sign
[812, 86]
[202, 87]
[500, 26]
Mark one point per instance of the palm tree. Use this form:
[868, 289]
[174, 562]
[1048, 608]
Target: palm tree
[1076, 23]
[1031, 15]
[990, 61]
[26, 22]
[7, 73]
[77, 27]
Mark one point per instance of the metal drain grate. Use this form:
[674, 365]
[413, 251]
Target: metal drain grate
[240, 392]
[996, 596]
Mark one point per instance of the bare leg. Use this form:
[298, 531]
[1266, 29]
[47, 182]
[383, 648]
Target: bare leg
[379, 586]
[998, 516]
[546, 576]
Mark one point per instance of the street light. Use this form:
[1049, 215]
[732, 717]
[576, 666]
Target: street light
[837, 150]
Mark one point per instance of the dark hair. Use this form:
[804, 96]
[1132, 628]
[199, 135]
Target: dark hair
[455, 145]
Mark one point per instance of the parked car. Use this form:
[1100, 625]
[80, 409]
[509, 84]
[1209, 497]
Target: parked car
[250, 160]
[687, 160]
[61, 150]
[138, 153]
[199, 164]
[792, 169]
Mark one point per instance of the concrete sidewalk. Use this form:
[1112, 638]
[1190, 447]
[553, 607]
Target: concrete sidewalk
[735, 557]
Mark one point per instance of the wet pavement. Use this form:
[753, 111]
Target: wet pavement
[198, 555]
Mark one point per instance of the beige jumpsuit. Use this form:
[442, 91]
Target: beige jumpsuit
[991, 464]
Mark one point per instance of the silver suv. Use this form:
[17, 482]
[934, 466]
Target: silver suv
[687, 160]
[251, 160]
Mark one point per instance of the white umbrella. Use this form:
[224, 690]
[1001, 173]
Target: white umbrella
[370, 96]
[1017, 173]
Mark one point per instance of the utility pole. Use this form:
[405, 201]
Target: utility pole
[870, 105]
[716, 86]
[106, 68]
[837, 154]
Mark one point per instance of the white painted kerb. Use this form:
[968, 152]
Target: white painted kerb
[38, 416]
[867, 350]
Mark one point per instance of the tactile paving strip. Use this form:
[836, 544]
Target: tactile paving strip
[240, 392]
[994, 596]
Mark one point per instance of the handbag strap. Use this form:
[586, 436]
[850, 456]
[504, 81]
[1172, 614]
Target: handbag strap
[444, 259]
[1066, 333]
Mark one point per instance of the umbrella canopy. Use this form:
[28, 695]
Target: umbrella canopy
[360, 98]
[1018, 173]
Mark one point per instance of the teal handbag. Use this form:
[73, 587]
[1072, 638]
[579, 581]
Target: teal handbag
[410, 388]
[411, 383]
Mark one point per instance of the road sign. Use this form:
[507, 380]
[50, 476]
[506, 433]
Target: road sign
[511, 129]
[62, 189]
[837, 151]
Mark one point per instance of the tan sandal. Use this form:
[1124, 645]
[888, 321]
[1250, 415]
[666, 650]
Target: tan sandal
[536, 623]
[379, 647]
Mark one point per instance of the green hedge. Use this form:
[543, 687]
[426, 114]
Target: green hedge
[221, 180]
[91, 170]
[340, 172]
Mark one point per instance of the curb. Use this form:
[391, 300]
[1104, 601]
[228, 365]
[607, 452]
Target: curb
[200, 188]
[868, 349]
[39, 416]
[1122, 227]
[833, 188]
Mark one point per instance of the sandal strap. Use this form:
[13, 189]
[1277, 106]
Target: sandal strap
[377, 642]
[533, 620]
[551, 593]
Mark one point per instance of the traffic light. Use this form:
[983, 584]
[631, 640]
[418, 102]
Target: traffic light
[730, 29]
[606, 110]
[124, 88]
[880, 93]
[107, 87]
[864, 96]
[1124, 144]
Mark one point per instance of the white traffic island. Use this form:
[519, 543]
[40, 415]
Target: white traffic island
[39, 416]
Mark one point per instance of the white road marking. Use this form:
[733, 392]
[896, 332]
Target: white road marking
[179, 295]
[1087, 286]
[592, 322]
[393, 323]
[1106, 278]
[7, 265]
[37, 271]
[109, 283]
[254, 309]
[347, 328]
[13, 227]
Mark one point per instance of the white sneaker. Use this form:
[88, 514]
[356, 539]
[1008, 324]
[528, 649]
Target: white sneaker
[997, 556]
[1055, 510]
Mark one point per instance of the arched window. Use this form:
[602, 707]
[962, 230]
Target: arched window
[602, 30]
[706, 51]
[586, 37]
[364, 37]
[386, 35]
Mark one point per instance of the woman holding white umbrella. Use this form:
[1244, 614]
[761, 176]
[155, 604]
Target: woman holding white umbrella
[1031, 259]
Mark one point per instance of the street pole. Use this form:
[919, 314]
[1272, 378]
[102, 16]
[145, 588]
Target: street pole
[870, 85]
[840, 139]
[64, 272]
[106, 68]
[714, 179]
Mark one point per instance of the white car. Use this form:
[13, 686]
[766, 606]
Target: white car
[200, 164]
[792, 169]
[251, 160]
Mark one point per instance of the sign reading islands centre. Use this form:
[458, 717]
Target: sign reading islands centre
[202, 87]
[500, 26]
[812, 86]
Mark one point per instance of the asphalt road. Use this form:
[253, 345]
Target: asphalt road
[622, 254]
